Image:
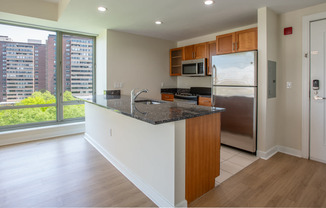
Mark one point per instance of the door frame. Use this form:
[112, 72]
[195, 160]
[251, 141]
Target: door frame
[306, 80]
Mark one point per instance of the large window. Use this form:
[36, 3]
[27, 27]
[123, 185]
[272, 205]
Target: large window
[40, 73]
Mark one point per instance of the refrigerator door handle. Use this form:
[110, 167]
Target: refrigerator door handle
[213, 83]
[214, 75]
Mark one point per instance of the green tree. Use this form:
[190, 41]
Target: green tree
[39, 114]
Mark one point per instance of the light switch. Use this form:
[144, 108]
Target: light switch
[288, 84]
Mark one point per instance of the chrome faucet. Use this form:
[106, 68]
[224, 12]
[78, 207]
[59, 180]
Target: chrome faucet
[133, 96]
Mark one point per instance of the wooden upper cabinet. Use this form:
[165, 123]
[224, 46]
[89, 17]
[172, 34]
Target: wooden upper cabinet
[200, 50]
[176, 58]
[225, 43]
[245, 40]
[211, 51]
[189, 52]
[196, 51]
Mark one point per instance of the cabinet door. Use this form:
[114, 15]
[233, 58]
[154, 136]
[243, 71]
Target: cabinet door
[167, 97]
[205, 101]
[189, 52]
[225, 43]
[176, 57]
[200, 50]
[246, 40]
[211, 51]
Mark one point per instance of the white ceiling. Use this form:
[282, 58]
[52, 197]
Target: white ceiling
[182, 19]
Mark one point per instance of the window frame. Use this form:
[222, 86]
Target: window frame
[59, 88]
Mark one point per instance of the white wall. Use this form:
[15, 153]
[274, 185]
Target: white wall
[39, 133]
[150, 156]
[101, 62]
[138, 62]
[267, 107]
[290, 110]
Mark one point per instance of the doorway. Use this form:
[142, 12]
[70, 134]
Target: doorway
[314, 87]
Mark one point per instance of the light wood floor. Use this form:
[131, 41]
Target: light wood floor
[63, 172]
[281, 181]
[69, 172]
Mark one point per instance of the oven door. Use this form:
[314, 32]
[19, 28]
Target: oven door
[189, 69]
[180, 100]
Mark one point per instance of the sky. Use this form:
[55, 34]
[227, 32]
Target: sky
[21, 34]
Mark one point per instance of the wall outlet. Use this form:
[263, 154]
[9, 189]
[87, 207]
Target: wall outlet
[288, 85]
[116, 85]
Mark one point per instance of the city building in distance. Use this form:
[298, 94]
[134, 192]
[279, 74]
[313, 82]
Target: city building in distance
[31, 66]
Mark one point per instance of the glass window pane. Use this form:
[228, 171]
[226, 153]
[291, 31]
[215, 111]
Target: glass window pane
[77, 65]
[74, 111]
[27, 115]
[27, 73]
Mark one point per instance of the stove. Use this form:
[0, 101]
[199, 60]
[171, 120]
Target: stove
[191, 96]
[185, 95]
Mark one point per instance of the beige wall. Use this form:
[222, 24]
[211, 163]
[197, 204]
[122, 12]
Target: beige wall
[187, 82]
[290, 108]
[267, 107]
[44, 10]
[138, 62]
[101, 62]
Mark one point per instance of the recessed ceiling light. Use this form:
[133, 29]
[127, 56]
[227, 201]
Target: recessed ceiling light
[101, 9]
[158, 22]
[209, 2]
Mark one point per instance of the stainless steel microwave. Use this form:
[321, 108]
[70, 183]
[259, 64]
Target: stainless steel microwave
[196, 67]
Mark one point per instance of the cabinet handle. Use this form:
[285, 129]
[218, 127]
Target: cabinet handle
[236, 46]
[232, 46]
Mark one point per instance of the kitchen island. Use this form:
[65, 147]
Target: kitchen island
[169, 150]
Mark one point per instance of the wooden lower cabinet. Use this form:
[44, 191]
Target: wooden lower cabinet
[202, 154]
[205, 101]
[167, 97]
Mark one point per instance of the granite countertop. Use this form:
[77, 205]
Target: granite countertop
[153, 113]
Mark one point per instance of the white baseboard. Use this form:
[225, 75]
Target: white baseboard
[272, 151]
[150, 192]
[39, 133]
[290, 151]
[266, 155]
[182, 204]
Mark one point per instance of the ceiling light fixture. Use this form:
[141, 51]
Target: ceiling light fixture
[101, 9]
[158, 22]
[209, 2]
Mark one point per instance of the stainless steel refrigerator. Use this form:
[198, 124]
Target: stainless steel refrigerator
[234, 87]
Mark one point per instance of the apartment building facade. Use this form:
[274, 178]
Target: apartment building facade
[22, 69]
[29, 67]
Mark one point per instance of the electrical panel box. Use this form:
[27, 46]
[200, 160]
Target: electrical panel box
[271, 79]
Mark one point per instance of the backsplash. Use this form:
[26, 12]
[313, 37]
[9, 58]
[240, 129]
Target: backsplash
[187, 82]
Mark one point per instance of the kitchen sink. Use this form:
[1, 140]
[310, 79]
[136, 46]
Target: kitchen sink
[149, 102]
